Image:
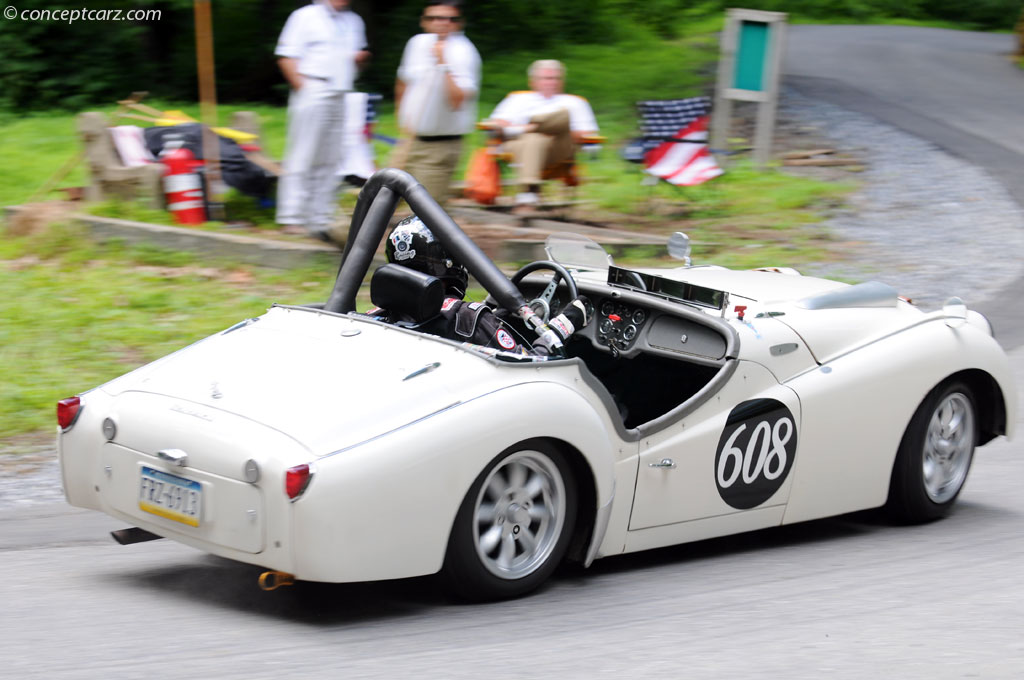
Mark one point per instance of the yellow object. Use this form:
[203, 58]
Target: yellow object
[236, 135]
[175, 118]
[172, 118]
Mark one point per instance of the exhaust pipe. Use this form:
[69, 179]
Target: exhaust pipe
[133, 535]
[272, 580]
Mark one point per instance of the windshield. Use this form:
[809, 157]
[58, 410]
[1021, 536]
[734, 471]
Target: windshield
[577, 252]
[680, 291]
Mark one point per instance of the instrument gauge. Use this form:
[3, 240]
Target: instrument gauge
[589, 306]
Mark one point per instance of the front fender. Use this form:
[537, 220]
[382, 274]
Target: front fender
[856, 408]
[384, 508]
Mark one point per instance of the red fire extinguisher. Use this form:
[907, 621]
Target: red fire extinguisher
[183, 189]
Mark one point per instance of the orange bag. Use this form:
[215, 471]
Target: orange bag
[483, 177]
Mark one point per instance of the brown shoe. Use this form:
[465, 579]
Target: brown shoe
[337, 233]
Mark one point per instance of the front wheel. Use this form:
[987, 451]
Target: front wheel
[513, 528]
[935, 455]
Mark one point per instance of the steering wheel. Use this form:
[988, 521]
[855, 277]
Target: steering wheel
[541, 305]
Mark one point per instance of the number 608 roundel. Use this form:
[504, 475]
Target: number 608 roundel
[755, 452]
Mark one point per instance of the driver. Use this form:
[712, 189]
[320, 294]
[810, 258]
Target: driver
[411, 244]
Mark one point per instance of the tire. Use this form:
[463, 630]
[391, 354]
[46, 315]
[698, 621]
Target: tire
[934, 456]
[514, 526]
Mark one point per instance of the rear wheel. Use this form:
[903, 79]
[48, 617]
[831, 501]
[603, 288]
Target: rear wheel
[514, 525]
[935, 455]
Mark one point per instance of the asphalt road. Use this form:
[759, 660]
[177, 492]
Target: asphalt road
[844, 598]
[956, 89]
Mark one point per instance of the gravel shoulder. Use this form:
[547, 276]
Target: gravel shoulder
[930, 224]
[922, 220]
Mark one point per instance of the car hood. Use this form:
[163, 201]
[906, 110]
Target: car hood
[328, 381]
[830, 317]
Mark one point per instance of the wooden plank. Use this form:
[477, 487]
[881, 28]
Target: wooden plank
[823, 162]
[808, 154]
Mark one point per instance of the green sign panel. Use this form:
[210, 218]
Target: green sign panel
[751, 55]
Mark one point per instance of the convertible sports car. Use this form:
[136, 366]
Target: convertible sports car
[328, 445]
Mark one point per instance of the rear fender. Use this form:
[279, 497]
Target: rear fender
[385, 508]
[79, 450]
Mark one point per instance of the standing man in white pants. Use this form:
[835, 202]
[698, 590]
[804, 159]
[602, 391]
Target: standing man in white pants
[319, 51]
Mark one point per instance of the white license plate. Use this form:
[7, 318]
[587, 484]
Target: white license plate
[170, 496]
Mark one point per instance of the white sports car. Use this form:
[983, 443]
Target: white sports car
[327, 445]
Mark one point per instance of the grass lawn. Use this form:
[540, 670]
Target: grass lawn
[75, 313]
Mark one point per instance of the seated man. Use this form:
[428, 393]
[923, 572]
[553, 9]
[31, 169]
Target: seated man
[542, 126]
[412, 245]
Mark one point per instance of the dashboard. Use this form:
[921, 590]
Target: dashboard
[625, 326]
[618, 324]
[630, 323]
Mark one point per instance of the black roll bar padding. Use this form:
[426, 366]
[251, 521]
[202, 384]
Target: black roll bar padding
[374, 208]
[364, 237]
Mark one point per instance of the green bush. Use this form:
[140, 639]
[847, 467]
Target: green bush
[70, 66]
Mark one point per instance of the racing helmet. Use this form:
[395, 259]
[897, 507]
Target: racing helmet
[411, 244]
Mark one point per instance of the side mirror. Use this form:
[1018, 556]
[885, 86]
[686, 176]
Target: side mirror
[679, 247]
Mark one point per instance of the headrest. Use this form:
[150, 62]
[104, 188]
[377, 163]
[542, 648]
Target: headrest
[406, 293]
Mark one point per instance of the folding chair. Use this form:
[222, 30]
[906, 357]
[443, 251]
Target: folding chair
[566, 171]
[358, 160]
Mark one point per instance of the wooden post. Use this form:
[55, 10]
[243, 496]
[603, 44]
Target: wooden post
[208, 109]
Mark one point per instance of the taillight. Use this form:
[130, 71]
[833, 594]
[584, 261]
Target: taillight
[296, 479]
[67, 411]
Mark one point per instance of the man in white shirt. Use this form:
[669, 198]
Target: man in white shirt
[436, 95]
[541, 126]
[319, 50]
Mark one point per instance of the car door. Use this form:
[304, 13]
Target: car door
[723, 468]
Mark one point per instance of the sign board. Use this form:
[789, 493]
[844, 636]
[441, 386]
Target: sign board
[751, 55]
[749, 69]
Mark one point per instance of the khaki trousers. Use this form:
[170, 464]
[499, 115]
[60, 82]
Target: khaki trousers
[550, 144]
[432, 163]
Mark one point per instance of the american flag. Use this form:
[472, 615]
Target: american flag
[674, 144]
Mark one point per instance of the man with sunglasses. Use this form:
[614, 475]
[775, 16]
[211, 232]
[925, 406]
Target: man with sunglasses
[436, 95]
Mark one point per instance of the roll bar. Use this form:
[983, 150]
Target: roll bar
[373, 211]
